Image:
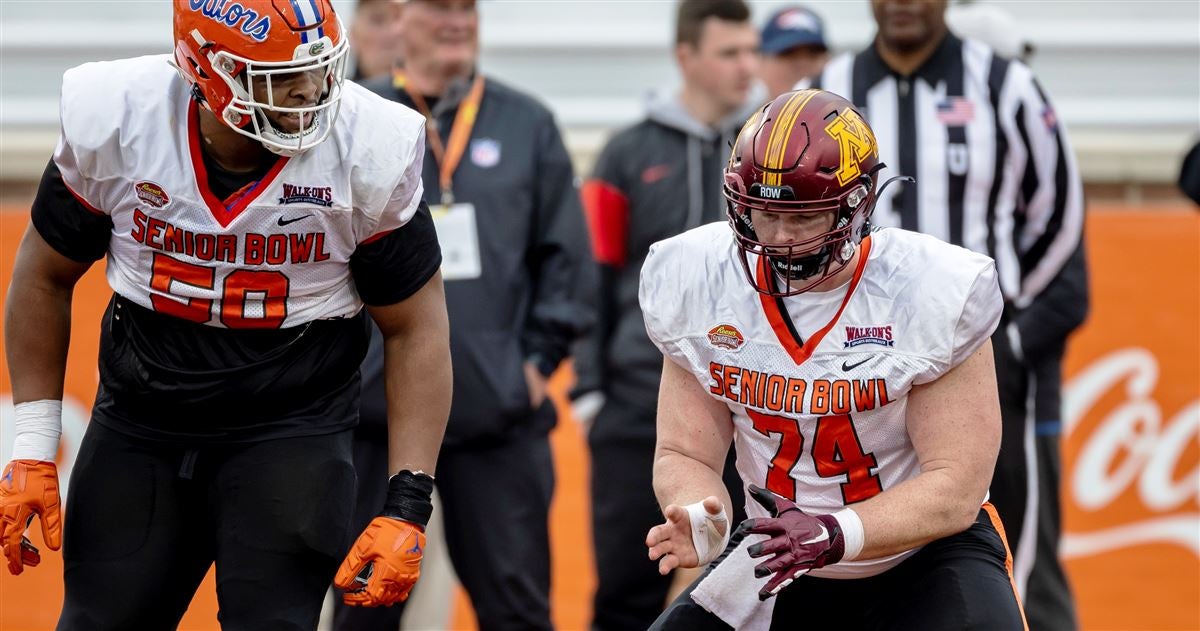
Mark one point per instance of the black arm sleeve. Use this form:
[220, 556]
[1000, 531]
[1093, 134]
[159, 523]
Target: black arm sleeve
[393, 267]
[1057, 311]
[558, 255]
[76, 231]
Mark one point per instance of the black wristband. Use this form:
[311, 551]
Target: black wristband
[408, 498]
[545, 366]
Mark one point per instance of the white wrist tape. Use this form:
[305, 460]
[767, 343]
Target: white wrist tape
[38, 428]
[852, 533]
[710, 532]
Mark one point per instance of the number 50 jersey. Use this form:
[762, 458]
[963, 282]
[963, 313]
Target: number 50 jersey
[820, 421]
[274, 255]
[238, 318]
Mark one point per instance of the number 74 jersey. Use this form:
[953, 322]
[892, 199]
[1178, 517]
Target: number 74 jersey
[820, 420]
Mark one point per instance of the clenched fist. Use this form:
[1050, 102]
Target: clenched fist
[383, 565]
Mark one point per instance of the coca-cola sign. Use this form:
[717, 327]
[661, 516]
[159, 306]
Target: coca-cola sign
[1133, 451]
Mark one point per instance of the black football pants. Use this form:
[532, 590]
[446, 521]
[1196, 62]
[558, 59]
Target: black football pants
[145, 520]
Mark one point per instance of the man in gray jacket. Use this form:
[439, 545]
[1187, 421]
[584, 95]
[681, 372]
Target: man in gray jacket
[500, 186]
[652, 181]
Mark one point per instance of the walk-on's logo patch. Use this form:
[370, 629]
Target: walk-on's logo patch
[485, 152]
[881, 335]
[726, 336]
[319, 195]
[151, 194]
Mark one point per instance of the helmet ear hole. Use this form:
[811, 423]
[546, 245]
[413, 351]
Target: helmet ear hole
[196, 68]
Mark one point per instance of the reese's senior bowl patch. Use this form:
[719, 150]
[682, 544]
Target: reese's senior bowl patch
[726, 336]
[151, 194]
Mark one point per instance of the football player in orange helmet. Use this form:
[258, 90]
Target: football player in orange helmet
[249, 233]
[274, 75]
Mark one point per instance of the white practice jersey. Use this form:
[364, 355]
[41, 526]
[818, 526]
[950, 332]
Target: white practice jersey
[275, 255]
[821, 421]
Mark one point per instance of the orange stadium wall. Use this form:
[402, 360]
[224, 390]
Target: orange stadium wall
[1131, 468]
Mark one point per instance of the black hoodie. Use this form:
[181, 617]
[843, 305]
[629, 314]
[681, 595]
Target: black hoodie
[652, 181]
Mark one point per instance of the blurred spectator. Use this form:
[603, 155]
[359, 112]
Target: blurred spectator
[652, 181]
[502, 191]
[995, 173]
[793, 48]
[375, 38]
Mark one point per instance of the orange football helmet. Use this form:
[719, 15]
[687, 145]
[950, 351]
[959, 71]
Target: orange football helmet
[806, 152]
[224, 48]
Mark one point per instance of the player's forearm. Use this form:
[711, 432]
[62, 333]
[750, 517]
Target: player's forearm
[419, 385]
[935, 504]
[37, 331]
[682, 480]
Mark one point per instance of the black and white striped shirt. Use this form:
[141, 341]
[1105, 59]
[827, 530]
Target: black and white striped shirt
[995, 172]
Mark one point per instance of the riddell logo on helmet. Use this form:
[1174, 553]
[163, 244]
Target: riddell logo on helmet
[726, 336]
[233, 13]
[151, 194]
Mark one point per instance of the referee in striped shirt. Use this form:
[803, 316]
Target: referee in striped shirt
[995, 174]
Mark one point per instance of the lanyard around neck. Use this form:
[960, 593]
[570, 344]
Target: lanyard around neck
[446, 155]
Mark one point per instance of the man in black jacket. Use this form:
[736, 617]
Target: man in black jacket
[501, 188]
[652, 181]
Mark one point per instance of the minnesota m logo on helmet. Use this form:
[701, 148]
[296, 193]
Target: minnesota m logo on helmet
[855, 141]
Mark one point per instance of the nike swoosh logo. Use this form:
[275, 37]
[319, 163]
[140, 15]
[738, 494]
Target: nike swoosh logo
[847, 366]
[284, 222]
[655, 173]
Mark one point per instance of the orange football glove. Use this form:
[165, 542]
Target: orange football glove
[28, 488]
[383, 565]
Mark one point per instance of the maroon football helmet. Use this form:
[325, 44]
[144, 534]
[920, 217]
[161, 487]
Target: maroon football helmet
[806, 152]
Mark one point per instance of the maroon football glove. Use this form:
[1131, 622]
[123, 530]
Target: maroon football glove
[799, 542]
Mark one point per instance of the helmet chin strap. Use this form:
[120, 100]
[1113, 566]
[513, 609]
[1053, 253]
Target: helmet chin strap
[791, 268]
[797, 268]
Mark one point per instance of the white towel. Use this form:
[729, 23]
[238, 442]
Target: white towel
[730, 591]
